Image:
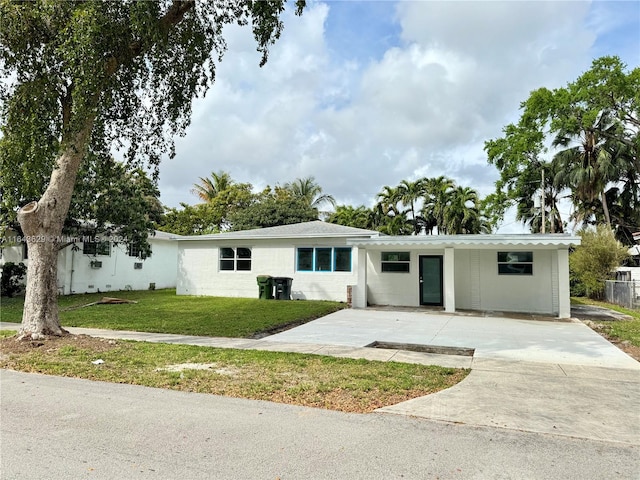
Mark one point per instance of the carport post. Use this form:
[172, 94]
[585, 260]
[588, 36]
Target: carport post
[564, 295]
[449, 283]
[359, 292]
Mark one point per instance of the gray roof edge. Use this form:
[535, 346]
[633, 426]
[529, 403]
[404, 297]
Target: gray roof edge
[161, 235]
[313, 229]
[222, 237]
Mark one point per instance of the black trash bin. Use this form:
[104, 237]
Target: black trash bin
[282, 287]
[265, 287]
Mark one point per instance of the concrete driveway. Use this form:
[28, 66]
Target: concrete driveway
[493, 338]
[552, 377]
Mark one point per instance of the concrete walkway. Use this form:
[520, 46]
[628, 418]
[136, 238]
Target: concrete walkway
[551, 377]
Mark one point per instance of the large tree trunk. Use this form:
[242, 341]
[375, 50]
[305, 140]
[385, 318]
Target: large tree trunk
[40, 315]
[42, 223]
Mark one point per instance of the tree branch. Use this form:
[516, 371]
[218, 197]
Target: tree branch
[66, 102]
[174, 15]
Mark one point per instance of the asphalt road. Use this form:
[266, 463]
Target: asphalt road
[61, 428]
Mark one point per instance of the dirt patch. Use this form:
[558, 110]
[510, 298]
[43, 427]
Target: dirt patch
[279, 329]
[180, 367]
[11, 345]
[603, 329]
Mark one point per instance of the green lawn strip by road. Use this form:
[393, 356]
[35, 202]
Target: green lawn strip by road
[621, 330]
[162, 311]
[311, 380]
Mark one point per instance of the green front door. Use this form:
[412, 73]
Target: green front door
[431, 280]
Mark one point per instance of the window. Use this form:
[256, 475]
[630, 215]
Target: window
[515, 263]
[305, 259]
[396, 262]
[96, 248]
[238, 259]
[342, 262]
[134, 250]
[324, 259]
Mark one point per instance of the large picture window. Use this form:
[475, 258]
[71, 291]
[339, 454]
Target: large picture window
[324, 259]
[515, 263]
[237, 258]
[395, 262]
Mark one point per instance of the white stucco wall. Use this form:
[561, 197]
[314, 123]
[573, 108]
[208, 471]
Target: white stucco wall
[511, 293]
[477, 283]
[395, 288]
[13, 253]
[199, 272]
[75, 274]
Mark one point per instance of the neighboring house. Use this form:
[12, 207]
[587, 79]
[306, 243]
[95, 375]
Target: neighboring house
[104, 266]
[516, 273]
[631, 271]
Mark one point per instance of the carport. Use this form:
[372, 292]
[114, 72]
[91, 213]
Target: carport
[508, 273]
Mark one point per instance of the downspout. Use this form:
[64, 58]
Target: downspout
[73, 251]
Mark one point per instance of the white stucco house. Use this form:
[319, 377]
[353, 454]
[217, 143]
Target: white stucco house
[105, 266]
[512, 273]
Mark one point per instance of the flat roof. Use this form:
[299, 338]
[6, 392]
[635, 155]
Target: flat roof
[470, 241]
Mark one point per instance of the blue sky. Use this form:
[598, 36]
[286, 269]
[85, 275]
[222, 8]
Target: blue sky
[365, 94]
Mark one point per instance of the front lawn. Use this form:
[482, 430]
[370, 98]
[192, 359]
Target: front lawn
[310, 380]
[162, 311]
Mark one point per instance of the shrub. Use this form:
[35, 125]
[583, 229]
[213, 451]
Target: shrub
[595, 260]
[11, 278]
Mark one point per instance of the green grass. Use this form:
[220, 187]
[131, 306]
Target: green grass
[162, 311]
[311, 380]
[622, 330]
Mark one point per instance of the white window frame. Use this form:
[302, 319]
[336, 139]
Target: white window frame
[235, 260]
[314, 256]
[516, 266]
[384, 262]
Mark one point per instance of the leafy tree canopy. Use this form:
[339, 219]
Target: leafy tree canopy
[592, 126]
[80, 78]
[122, 74]
[271, 208]
[212, 216]
[434, 204]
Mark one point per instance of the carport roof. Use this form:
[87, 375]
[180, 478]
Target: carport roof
[470, 241]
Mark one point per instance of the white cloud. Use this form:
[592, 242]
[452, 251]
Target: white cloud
[453, 79]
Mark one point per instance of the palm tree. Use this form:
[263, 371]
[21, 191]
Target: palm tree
[388, 200]
[360, 217]
[462, 214]
[210, 187]
[409, 193]
[437, 196]
[395, 224]
[588, 167]
[310, 191]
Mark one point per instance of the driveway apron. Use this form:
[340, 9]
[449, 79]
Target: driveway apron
[554, 377]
